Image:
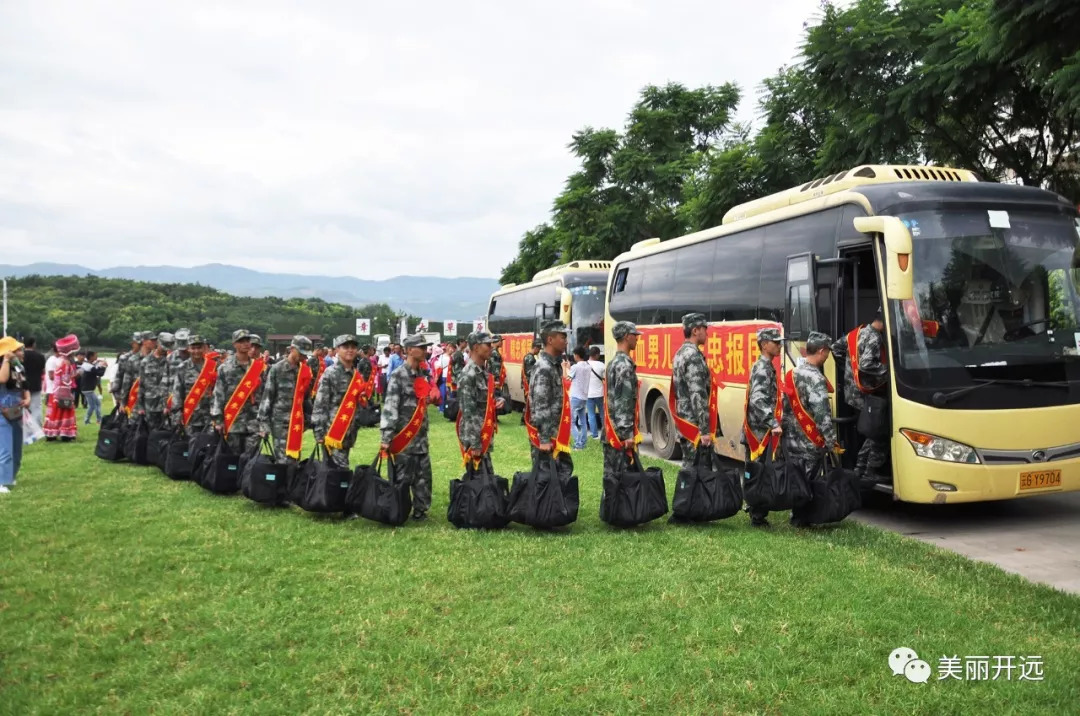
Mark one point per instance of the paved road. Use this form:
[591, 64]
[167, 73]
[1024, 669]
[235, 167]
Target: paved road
[1035, 537]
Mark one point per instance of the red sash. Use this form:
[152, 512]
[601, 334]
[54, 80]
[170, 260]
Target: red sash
[318, 377]
[609, 429]
[450, 375]
[295, 439]
[562, 438]
[335, 436]
[802, 417]
[133, 397]
[491, 425]
[245, 391]
[756, 445]
[405, 437]
[687, 429]
[853, 357]
[205, 381]
[502, 376]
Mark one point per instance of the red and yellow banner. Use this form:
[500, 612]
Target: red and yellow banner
[245, 391]
[609, 428]
[409, 432]
[730, 350]
[205, 382]
[132, 398]
[802, 417]
[689, 430]
[318, 377]
[295, 438]
[335, 436]
[757, 445]
[853, 357]
[491, 425]
[562, 438]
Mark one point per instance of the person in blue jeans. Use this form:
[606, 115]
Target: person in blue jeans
[580, 376]
[14, 399]
[595, 406]
[90, 372]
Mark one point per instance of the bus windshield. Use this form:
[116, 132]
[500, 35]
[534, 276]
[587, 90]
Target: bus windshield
[587, 316]
[993, 289]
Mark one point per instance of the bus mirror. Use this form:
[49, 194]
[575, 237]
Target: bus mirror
[898, 277]
[565, 299]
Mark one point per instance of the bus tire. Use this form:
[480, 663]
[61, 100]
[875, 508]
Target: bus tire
[662, 427]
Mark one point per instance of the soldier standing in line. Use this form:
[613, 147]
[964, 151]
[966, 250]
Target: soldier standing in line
[285, 409]
[866, 371]
[153, 391]
[479, 402]
[404, 424]
[457, 364]
[237, 393]
[496, 366]
[147, 344]
[333, 419]
[808, 428]
[621, 436]
[549, 400]
[123, 365]
[764, 408]
[695, 399]
[193, 387]
[257, 353]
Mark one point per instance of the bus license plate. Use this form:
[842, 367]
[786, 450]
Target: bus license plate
[1039, 480]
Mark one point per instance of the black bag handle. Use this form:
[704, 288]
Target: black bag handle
[703, 454]
[266, 445]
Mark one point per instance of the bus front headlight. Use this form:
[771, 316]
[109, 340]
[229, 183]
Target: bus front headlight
[938, 448]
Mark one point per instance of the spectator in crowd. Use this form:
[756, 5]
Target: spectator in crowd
[90, 373]
[331, 356]
[595, 407]
[34, 367]
[78, 359]
[580, 377]
[384, 369]
[396, 359]
[14, 399]
[442, 364]
[60, 421]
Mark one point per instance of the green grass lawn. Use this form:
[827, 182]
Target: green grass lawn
[124, 592]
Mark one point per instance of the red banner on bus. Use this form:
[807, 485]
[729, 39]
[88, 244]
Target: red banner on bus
[730, 350]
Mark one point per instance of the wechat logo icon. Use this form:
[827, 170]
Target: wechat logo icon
[904, 661]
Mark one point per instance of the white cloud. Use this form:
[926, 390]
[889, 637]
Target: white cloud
[332, 136]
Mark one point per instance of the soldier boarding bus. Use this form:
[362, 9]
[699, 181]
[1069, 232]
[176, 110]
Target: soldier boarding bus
[979, 288]
[572, 292]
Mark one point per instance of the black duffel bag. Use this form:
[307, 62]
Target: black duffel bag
[324, 484]
[543, 498]
[157, 446]
[263, 480]
[704, 492]
[110, 439]
[136, 438]
[367, 416]
[178, 456]
[873, 419]
[386, 500]
[634, 496]
[199, 449]
[450, 410]
[508, 406]
[221, 468]
[480, 499]
[775, 483]
[835, 494]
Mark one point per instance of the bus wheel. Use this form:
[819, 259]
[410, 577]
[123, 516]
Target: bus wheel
[662, 428]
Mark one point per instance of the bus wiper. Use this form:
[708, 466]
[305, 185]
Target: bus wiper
[941, 399]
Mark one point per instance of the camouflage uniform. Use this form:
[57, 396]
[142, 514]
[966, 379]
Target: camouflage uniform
[761, 405]
[275, 410]
[332, 387]
[621, 403]
[528, 363]
[413, 464]
[117, 384]
[152, 390]
[472, 397]
[183, 380]
[546, 400]
[693, 386]
[814, 394]
[457, 364]
[873, 374]
[131, 373]
[494, 366]
[244, 434]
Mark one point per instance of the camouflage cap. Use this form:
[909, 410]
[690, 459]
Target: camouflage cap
[167, 340]
[818, 340]
[136, 337]
[550, 327]
[693, 320]
[147, 336]
[477, 337]
[256, 339]
[196, 340]
[346, 338]
[622, 329]
[416, 340]
[183, 338]
[241, 334]
[770, 334]
[495, 337]
[302, 344]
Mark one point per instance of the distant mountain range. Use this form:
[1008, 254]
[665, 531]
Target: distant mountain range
[425, 296]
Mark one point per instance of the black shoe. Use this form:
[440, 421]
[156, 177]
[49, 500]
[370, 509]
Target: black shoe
[418, 516]
[763, 523]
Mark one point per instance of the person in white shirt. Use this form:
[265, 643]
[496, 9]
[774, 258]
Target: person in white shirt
[595, 406]
[50, 369]
[580, 377]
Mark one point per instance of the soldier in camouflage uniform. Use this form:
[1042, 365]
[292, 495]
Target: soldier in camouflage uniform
[693, 386]
[148, 342]
[622, 399]
[527, 365]
[546, 395]
[413, 464]
[874, 376]
[180, 354]
[152, 389]
[275, 410]
[473, 396]
[332, 388]
[761, 404]
[495, 362]
[122, 366]
[457, 361]
[183, 380]
[244, 434]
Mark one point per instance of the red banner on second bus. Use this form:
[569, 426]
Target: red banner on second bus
[730, 350]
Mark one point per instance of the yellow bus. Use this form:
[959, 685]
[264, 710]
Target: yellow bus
[979, 285]
[572, 292]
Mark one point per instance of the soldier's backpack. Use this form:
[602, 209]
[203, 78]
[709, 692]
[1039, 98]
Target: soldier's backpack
[263, 480]
[480, 499]
[705, 492]
[136, 437]
[367, 416]
[634, 496]
[178, 456]
[199, 449]
[110, 437]
[873, 421]
[774, 482]
[157, 445]
[221, 468]
[835, 494]
[544, 498]
[450, 412]
[324, 484]
[386, 500]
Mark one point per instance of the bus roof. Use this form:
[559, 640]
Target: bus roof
[893, 197]
[567, 271]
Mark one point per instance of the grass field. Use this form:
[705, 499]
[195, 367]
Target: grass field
[124, 592]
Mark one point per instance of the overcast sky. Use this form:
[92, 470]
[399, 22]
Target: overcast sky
[331, 136]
